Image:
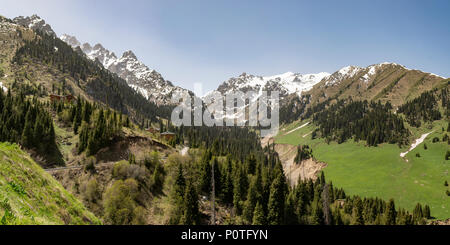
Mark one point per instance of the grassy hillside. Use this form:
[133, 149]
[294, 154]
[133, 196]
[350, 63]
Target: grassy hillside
[29, 195]
[392, 83]
[380, 171]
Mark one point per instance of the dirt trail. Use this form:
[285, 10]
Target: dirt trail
[308, 169]
[415, 144]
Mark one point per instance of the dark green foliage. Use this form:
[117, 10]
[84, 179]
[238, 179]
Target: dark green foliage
[276, 203]
[358, 208]
[362, 120]
[97, 127]
[293, 107]
[235, 141]
[258, 216]
[391, 214]
[423, 108]
[26, 122]
[177, 196]
[426, 212]
[190, 208]
[304, 152]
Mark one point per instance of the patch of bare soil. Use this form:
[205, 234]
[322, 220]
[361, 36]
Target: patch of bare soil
[136, 145]
[307, 169]
[440, 222]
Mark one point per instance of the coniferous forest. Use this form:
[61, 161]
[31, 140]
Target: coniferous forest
[370, 121]
[27, 122]
[98, 82]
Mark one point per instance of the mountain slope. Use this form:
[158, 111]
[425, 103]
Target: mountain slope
[386, 82]
[29, 195]
[144, 80]
[49, 64]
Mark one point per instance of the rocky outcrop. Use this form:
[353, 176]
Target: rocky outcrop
[308, 169]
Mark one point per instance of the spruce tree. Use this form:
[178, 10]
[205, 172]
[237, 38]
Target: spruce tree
[358, 211]
[27, 135]
[177, 196]
[391, 214]
[276, 202]
[258, 215]
[191, 213]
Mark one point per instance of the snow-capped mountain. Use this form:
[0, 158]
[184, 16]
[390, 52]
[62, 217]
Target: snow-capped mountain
[365, 75]
[35, 22]
[144, 80]
[287, 83]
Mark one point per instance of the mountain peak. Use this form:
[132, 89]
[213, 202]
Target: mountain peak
[98, 46]
[129, 54]
[71, 40]
[35, 23]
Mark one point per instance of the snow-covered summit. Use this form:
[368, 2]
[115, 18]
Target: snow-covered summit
[365, 74]
[286, 83]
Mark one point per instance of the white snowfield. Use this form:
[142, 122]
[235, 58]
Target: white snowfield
[295, 129]
[415, 144]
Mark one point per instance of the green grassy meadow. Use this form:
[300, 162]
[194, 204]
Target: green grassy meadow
[30, 196]
[380, 171]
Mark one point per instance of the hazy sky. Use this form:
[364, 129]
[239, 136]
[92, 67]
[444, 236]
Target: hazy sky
[209, 41]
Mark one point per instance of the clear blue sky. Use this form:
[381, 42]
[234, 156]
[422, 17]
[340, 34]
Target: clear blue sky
[209, 41]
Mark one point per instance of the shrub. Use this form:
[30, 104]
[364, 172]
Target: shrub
[89, 164]
[119, 202]
[92, 192]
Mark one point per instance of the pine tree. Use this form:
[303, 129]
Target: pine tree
[276, 202]
[177, 196]
[250, 203]
[317, 206]
[27, 135]
[426, 212]
[191, 213]
[417, 213]
[358, 211]
[205, 174]
[228, 183]
[391, 214]
[258, 215]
